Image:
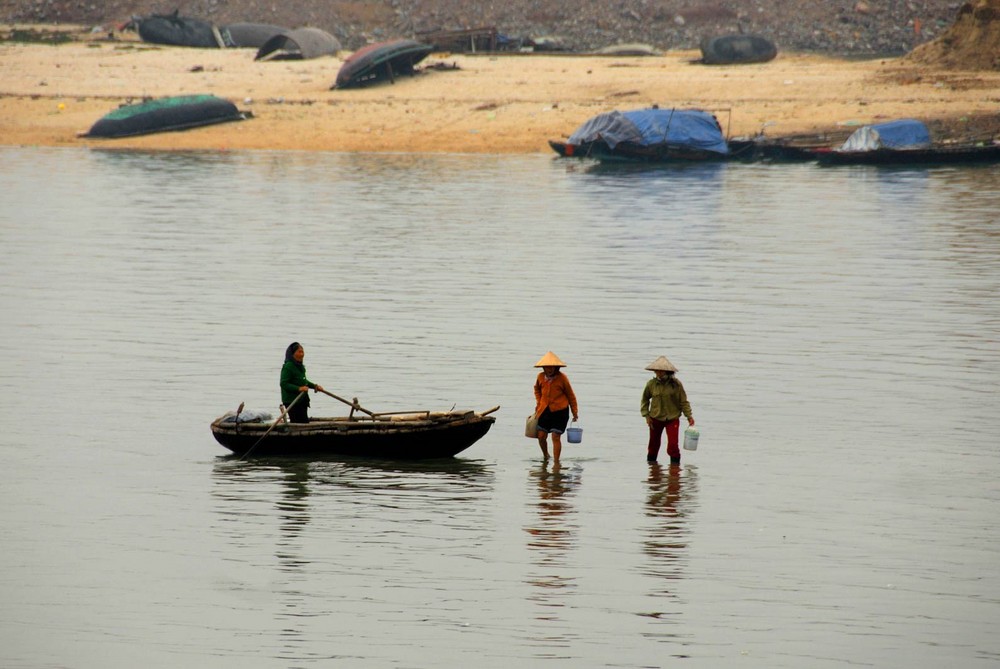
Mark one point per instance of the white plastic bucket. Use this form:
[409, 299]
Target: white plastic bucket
[574, 435]
[691, 439]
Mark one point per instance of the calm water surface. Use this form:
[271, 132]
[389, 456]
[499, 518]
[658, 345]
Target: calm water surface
[838, 331]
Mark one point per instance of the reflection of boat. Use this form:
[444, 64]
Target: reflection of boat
[903, 142]
[415, 436]
[647, 135]
[381, 61]
[165, 114]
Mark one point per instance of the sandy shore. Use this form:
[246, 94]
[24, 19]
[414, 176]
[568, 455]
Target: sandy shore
[487, 104]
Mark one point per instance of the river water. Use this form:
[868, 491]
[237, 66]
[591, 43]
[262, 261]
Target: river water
[837, 330]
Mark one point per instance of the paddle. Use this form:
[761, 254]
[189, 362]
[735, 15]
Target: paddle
[354, 405]
[275, 423]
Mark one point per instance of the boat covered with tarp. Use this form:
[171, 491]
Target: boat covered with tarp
[421, 435]
[737, 50]
[165, 114]
[299, 44]
[383, 61]
[648, 135]
[904, 142]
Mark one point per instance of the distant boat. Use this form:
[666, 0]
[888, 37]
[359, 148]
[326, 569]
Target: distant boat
[647, 135]
[175, 30]
[249, 35]
[903, 142]
[299, 44]
[165, 114]
[380, 62]
[737, 49]
[412, 436]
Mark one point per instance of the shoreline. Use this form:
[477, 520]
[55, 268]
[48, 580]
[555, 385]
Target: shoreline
[460, 103]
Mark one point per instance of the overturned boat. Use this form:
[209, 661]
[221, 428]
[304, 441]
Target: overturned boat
[176, 30]
[299, 44]
[647, 135]
[249, 35]
[408, 436]
[383, 61]
[737, 49]
[165, 114]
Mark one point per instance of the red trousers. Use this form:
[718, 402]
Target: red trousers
[655, 434]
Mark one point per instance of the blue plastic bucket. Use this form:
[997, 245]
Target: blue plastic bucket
[574, 435]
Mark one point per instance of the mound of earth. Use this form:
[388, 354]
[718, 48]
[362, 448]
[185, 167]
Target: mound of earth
[972, 42]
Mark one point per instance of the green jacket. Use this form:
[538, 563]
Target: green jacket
[293, 377]
[664, 400]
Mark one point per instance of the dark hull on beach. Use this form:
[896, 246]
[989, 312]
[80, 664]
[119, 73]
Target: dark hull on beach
[165, 114]
[945, 155]
[381, 62]
[628, 152]
[421, 437]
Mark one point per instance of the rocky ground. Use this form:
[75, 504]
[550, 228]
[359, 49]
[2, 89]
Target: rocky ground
[862, 28]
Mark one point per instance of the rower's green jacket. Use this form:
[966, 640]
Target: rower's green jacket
[293, 377]
[665, 400]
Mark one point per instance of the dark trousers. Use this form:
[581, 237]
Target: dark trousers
[656, 434]
[299, 413]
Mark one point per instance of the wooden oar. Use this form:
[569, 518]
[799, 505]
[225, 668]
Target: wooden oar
[354, 405]
[274, 424]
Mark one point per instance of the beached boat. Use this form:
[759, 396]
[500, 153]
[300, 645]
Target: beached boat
[647, 135]
[176, 30]
[411, 436]
[383, 61]
[903, 142]
[165, 114]
[737, 49]
[944, 154]
[299, 44]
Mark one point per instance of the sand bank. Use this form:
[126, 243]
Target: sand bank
[477, 104]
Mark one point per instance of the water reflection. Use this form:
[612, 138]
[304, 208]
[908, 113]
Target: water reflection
[670, 500]
[553, 534]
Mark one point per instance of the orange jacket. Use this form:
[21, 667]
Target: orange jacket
[554, 394]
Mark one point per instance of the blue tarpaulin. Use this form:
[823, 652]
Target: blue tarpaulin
[646, 127]
[906, 133]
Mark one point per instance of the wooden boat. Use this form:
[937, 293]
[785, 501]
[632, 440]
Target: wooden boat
[380, 62]
[165, 114]
[903, 142]
[631, 152]
[737, 49]
[175, 30]
[944, 154]
[647, 135]
[299, 44]
[411, 436]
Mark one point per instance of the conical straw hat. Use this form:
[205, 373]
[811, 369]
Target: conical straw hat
[661, 363]
[550, 359]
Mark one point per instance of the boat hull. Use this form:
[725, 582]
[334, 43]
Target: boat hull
[627, 152]
[165, 115]
[381, 62]
[933, 156]
[398, 440]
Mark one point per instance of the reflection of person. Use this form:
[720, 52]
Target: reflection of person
[663, 402]
[294, 381]
[554, 398]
